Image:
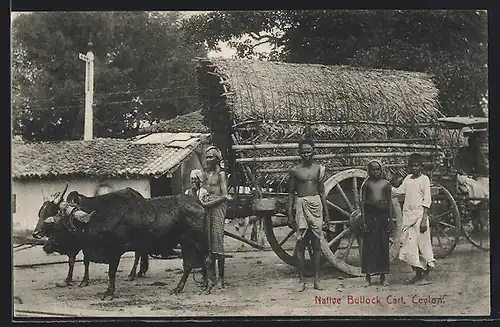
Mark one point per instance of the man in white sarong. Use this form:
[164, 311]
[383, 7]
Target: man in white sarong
[307, 191]
[309, 216]
[416, 247]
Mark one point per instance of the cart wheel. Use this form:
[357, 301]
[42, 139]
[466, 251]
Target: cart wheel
[476, 225]
[444, 220]
[343, 196]
[282, 240]
[342, 193]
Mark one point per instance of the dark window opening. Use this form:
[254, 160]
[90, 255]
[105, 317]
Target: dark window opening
[161, 186]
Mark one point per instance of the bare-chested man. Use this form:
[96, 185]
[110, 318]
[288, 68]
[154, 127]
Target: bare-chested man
[307, 190]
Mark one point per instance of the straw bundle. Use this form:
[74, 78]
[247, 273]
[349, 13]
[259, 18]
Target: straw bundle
[271, 102]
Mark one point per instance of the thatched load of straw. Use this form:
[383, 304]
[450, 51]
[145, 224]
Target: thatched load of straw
[262, 102]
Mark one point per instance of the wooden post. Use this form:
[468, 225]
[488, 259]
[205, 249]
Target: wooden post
[89, 92]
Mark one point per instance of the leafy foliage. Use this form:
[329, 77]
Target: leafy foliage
[143, 72]
[451, 45]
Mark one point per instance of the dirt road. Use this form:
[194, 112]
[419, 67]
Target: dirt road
[260, 284]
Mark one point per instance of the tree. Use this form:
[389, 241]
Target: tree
[451, 45]
[143, 72]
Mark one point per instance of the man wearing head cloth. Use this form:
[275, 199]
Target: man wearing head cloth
[216, 206]
[213, 151]
[196, 179]
[307, 195]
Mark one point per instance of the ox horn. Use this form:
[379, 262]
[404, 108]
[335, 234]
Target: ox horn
[59, 198]
[50, 220]
[44, 198]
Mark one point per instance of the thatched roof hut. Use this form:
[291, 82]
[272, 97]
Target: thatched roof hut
[261, 101]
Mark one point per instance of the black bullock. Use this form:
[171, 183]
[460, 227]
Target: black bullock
[124, 221]
[64, 243]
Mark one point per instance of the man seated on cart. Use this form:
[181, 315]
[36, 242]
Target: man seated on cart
[470, 161]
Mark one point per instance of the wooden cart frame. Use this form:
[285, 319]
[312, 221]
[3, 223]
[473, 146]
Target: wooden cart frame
[245, 102]
[341, 247]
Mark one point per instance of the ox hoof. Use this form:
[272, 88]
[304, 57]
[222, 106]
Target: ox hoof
[107, 295]
[65, 284]
[206, 291]
[175, 291]
[130, 278]
[84, 283]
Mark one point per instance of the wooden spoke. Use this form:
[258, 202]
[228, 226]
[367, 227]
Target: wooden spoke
[339, 236]
[333, 205]
[344, 196]
[446, 224]
[355, 191]
[349, 245]
[287, 237]
[443, 233]
[442, 214]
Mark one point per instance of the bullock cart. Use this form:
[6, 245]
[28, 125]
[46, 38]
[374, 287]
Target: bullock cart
[473, 205]
[258, 111]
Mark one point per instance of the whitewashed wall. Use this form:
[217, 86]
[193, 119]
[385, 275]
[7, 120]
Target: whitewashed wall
[29, 198]
[192, 163]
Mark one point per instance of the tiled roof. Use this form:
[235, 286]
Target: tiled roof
[99, 158]
[188, 123]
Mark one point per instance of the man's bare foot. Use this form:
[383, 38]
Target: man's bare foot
[424, 280]
[368, 281]
[413, 280]
[301, 287]
[317, 286]
[383, 280]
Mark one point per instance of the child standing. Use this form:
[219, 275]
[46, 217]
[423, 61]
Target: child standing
[376, 210]
[416, 248]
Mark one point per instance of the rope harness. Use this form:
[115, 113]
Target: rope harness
[73, 211]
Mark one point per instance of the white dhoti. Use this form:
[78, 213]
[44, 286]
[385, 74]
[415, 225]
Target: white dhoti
[416, 247]
[309, 215]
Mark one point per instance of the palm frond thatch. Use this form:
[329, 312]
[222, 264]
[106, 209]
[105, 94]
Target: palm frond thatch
[311, 92]
[262, 101]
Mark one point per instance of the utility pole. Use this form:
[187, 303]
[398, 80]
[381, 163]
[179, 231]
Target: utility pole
[89, 91]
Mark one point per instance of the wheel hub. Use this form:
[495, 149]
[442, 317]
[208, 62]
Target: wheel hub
[356, 220]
